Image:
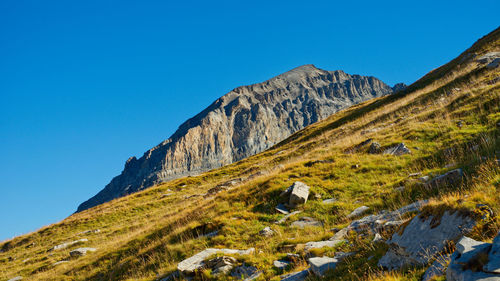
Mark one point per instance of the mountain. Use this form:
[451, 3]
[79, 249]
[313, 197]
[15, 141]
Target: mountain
[399, 187]
[244, 122]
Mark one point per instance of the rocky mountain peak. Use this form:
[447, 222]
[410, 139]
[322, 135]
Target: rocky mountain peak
[245, 121]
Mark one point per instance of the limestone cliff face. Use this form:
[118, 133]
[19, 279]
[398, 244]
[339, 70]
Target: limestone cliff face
[243, 122]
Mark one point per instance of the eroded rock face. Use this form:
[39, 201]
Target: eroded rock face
[422, 240]
[243, 122]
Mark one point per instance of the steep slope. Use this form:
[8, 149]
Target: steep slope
[449, 119]
[245, 121]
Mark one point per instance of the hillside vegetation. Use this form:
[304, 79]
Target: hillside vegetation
[449, 119]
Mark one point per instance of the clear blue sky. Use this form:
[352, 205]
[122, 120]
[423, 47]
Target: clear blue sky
[86, 84]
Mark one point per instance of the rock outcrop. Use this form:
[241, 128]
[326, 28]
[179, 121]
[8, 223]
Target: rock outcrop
[196, 262]
[245, 121]
[474, 260]
[423, 239]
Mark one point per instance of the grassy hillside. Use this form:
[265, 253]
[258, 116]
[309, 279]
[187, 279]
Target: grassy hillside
[449, 118]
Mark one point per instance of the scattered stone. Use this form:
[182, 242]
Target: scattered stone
[299, 193]
[17, 278]
[166, 195]
[391, 225]
[437, 269]
[378, 238]
[293, 257]
[398, 150]
[67, 244]
[321, 244]
[194, 263]
[221, 265]
[467, 261]
[375, 148]
[320, 265]
[422, 240]
[296, 276]
[281, 265]
[81, 252]
[282, 220]
[247, 273]
[424, 179]
[448, 178]
[266, 231]
[329, 201]
[358, 212]
[282, 209]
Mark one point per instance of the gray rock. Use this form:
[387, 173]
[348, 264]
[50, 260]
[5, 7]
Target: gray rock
[282, 209]
[221, 265]
[340, 234]
[81, 252]
[437, 269]
[320, 265]
[488, 57]
[266, 231]
[321, 244]
[281, 265]
[298, 194]
[296, 276]
[329, 201]
[194, 263]
[378, 238]
[232, 128]
[422, 240]
[493, 264]
[466, 258]
[358, 211]
[292, 257]
[375, 148]
[450, 178]
[424, 179]
[17, 278]
[282, 220]
[68, 244]
[245, 272]
[398, 150]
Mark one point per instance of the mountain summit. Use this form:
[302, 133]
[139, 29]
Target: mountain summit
[243, 122]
